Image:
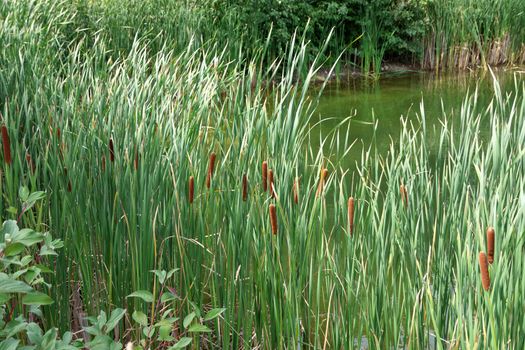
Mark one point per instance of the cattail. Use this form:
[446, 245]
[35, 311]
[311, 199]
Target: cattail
[265, 175]
[244, 187]
[69, 187]
[270, 183]
[484, 267]
[103, 163]
[273, 218]
[111, 151]
[296, 190]
[30, 163]
[136, 159]
[211, 168]
[404, 195]
[191, 189]
[351, 208]
[490, 244]
[7, 145]
[59, 134]
[324, 175]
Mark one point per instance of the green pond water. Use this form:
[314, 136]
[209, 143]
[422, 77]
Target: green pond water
[400, 95]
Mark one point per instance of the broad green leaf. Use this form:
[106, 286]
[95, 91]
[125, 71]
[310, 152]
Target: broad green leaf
[9, 227]
[9, 344]
[199, 328]
[181, 344]
[28, 237]
[140, 318]
[142, 294]
[14, 286]
[14, 249]
[23, 193]
[213, 313]
[188, 319]
[49, 340]
[161, 274]
[167, 296]
[4, 298]
[114, 319]
[165, 333]
[37, 298]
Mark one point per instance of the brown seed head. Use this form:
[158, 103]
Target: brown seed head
[111, 151]
[191, 186]
[273, 218]
[351, 208]
[296, 190]
[30, 163]
[211, 169]
[265, 175]
[7, 145]
[244, 187]
[490, 244]
[324, 176]
[484, 268]
[136, 160]
[404, 195]
[271, 183]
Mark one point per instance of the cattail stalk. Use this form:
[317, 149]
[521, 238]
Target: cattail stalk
[111, 151]
[490, 244]
[265, 176]
[7, 145]
[324, 175]
[244, 187]
[484, 267]
[271, 183]
[351, 208]
[273, 218]
[211, 168]
[404, 195]
[295, 190]
[191, 186]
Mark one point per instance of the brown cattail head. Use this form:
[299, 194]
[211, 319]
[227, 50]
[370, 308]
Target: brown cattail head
[322, 179]
[68, 180]
[111, 151]
[404, 195]
[273, 218]
[271, 183]
[191, 186]
[296, 190]
[103, 163]
[59, 133]
[30, 163]
[484, 267]
[490, 244]
[136, 159]
[211, 168]
[351, 208]
[265, 176]
[7, 145]
[244, 187]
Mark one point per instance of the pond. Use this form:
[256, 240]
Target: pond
[400, 95]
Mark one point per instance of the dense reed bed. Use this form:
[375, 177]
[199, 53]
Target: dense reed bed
[164, 160]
